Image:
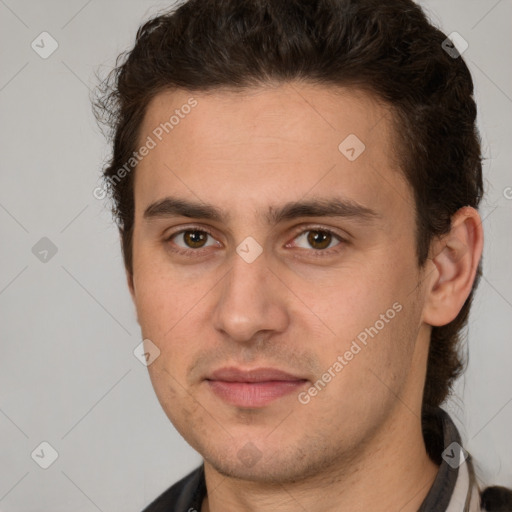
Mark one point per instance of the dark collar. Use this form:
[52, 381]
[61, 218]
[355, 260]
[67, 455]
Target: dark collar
[439, 433]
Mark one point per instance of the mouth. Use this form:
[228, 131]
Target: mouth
[253, 388]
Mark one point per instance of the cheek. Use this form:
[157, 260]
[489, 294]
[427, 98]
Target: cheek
[160, 295]
[171, 314]
[374, 367]
[375, 321]
[353, 300]
[171, 391]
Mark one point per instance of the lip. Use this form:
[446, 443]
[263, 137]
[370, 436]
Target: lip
[253, 388]
[233, 374]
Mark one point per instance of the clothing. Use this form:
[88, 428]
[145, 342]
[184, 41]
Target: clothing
[453, 490]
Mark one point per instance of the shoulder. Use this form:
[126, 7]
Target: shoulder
[183, 495]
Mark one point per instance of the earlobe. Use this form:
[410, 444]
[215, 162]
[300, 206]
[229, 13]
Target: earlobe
[456, 256]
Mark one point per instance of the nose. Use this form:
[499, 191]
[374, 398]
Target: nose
[251, 301]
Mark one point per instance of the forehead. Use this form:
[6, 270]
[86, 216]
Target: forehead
[274, 111]
[267, 142]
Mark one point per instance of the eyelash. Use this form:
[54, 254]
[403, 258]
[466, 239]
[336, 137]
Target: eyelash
[316, 252]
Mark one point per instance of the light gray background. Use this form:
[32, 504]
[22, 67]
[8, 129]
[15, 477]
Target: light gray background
[68, 329]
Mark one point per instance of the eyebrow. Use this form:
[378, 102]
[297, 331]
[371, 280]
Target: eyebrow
[169, 207]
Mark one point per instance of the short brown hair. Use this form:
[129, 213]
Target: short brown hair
[386, 47]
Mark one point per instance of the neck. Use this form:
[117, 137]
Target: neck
[391, 472]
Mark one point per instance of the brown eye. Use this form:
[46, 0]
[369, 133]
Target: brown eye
[194, 239]
[191, 240]
[319, 239]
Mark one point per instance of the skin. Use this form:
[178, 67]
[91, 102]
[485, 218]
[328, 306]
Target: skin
[357, 445]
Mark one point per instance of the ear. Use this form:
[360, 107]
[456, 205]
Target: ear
[456, 256]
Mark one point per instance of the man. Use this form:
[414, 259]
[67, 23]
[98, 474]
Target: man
[296, 185]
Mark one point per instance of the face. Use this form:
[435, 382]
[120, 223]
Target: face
[267, 237]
